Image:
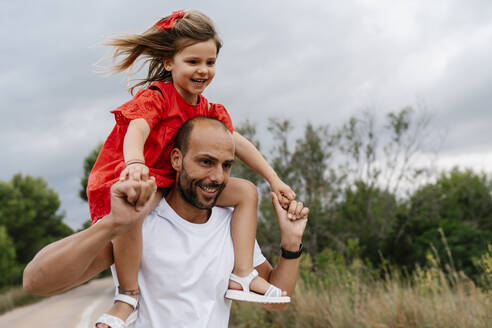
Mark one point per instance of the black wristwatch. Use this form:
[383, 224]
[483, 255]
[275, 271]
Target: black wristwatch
[290, 255]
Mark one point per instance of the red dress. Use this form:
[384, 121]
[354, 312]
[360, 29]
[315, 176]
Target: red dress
[164, 111]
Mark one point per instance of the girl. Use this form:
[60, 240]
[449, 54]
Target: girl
[181, 50]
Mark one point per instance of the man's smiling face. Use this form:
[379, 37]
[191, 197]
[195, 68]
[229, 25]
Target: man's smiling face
[206, 166]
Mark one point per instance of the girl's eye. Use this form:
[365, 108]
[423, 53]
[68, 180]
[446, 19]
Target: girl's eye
[193, 62]
[211, 63]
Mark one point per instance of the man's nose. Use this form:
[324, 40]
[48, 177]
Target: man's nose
[217, 174]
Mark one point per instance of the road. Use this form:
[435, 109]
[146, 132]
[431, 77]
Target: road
[77, 308]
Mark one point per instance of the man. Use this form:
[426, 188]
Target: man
[187, 249]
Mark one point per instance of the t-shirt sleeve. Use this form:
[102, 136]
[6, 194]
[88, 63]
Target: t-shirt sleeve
[219, 112]
[258, 257]
[146, 104]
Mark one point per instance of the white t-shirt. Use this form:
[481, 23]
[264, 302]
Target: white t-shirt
[185, 270]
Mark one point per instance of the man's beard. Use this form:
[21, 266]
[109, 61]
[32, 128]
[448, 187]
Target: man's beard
[187, 187]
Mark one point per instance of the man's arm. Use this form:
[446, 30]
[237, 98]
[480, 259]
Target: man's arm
[70, 261]
[284, 275]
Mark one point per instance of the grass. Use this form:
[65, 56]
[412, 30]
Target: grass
[353, 296]
[15, 296]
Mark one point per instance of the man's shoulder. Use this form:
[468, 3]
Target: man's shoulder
[161, 207]
[222, 211]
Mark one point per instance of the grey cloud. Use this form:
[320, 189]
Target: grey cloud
[322, 62]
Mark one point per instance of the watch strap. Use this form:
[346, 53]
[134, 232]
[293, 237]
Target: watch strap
[290, 255]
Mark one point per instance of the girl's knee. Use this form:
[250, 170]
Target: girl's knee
[246, 191]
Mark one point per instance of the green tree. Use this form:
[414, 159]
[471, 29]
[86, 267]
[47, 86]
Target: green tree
[318, 184]
[369, 215]
[379, 162]
[384, 156]
[9, 269]
[28, 211]
[307, 169]
[89, 162]
[348, 177]
[453, 215]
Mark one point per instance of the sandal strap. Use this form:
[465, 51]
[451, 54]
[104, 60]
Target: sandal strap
[245, 281]
[273, 291]
[111, 321]
[133, 302]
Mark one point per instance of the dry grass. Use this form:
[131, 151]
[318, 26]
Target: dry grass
[384, 305]
[14, 297]
[430, 298]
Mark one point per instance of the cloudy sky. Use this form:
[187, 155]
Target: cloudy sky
[321, 61]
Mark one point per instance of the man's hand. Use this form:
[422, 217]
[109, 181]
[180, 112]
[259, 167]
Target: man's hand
[291, 230]
[131, 201]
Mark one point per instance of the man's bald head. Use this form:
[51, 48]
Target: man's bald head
[183, 136]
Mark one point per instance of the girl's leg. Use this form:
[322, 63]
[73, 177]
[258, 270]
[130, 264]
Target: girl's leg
[243, 195]
[127, 252]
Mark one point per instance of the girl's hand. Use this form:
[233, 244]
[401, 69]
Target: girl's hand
[291, 230]
[283, 192]
[135, 172]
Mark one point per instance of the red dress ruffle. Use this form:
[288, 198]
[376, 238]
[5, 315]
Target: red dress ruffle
[164, 111]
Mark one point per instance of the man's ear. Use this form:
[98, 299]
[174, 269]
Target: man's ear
[176, 159]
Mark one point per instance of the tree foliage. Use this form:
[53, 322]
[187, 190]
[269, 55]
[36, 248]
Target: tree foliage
[453, 215]
[365, 186]
[29, 213]
[9, 269]
[29, 220]
[89, 162]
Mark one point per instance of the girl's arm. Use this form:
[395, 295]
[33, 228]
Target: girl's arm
[250, 156]
[133, 150]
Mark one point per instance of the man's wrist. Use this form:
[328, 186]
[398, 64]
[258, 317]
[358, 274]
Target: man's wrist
[106, 228]
[291, 244]
[113, 228]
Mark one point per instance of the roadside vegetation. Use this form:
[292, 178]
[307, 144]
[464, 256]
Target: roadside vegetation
[15, 296]
[391, 240]
[336, 293]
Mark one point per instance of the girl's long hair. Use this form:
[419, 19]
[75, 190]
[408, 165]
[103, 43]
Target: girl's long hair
[154, 45]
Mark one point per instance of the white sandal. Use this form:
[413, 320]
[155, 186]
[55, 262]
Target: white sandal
[111, 320]
[272, 296]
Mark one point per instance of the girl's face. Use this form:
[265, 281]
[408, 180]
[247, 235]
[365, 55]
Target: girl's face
[192, 69]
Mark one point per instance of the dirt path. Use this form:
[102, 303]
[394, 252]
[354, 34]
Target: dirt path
[77, 308]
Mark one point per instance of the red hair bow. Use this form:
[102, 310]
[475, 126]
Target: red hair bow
[171, 20]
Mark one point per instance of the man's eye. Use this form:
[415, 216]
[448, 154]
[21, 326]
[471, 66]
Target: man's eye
[227, 165]
[206, 162]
